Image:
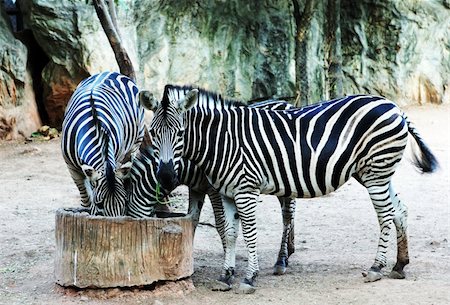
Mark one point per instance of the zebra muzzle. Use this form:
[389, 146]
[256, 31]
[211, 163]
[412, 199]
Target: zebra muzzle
[167, 176]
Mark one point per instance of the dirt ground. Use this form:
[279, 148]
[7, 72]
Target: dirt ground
[336, 238]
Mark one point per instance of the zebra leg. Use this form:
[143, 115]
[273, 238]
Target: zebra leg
[246, 207]
[381, 200]
[196, 200]
[231, 228]
[400, 221]
[219, 214]
[82, 184]
[287, 241]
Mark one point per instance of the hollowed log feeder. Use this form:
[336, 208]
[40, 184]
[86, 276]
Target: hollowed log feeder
[101, 252]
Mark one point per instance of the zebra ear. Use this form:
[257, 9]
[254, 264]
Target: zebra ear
[89, 172]
[124, 170]
[189, 100]
[126, 158]
[148, 100]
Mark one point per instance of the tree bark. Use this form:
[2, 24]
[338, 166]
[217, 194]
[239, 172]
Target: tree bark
[94, 251]
[333, 50]
[107, 16]
[302, 21]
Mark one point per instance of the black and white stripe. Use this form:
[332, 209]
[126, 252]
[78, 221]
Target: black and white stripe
[103, 125]
[302, 153]
[143, 193]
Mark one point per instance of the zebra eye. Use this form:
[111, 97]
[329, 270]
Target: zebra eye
[152, 132]
[180, 133]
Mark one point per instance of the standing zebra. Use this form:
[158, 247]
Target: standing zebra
[103, 125]
[144, 195]
[302, 153]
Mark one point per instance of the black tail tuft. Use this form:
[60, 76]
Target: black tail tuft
[109, 170]
[424, 160]
[110, 177]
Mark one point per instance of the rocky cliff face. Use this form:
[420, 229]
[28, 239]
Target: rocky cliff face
[76, 47]
[398, 49]
[243, 49]
[18, 111]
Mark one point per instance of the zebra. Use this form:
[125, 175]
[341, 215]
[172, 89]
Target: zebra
[144, 195]
[103, 126]
[297, 153]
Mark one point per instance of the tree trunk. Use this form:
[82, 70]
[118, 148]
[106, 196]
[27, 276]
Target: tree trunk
[107, 16]
[333, 50]
[302, 21]
[94, 251]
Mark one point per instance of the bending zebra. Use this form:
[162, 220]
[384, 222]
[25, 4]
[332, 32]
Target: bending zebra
[302, 153]
[143, 197]
[103, 125]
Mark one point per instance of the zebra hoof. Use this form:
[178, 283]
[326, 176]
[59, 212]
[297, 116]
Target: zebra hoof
[224, 283]
[279, 269]
[280, 266]
[397, 274]
[372, 276]
[245, 288]
[218, 285]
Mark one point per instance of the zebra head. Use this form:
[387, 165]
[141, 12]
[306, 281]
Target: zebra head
[144, 191]
[167, 130]
[108, 191]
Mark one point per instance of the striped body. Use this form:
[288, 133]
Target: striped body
[143, 193]
[306, 153]
[103, 125]
[303, 153]
[143, 184]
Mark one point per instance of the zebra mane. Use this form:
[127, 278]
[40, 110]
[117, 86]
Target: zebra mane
[210, 96]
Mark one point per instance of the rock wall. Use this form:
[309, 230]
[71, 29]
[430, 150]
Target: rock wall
[243, 49]
[398, 49]
[70, 34]
[18, 111]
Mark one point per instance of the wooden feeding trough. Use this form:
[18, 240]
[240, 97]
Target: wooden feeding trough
[95, 251]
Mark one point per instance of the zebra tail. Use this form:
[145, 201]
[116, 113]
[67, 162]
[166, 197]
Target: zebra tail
[423, 159]
[109, 170]
[94, 110]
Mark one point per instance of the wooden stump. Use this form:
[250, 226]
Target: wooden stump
[95, 251]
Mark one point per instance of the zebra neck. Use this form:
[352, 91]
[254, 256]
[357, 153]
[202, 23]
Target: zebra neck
[207, 128]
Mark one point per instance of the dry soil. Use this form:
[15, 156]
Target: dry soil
[336, 238]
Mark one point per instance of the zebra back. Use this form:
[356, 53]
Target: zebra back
[103, 126]
[272, 104]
